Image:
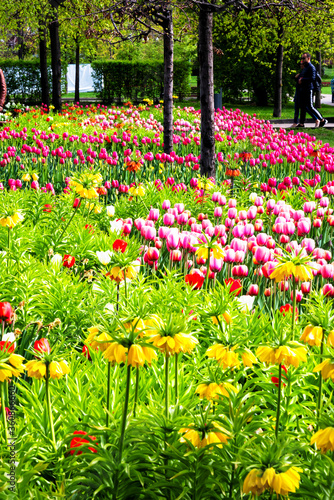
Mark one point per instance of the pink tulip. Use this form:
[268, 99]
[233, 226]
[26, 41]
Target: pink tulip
[253, 290]
[168, 219]
[173, 240]
[327, 271]
[262, 255]
[216, 265]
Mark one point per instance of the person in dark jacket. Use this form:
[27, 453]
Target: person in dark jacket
[3, 90]
[306, 79]
[297, 101]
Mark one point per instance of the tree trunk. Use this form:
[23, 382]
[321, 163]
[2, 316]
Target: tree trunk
[21, 50]
[55, 61]
[278, 80]
[168, 79]
[205, 49]
[43, 64]
[77, 74]
[318, 68]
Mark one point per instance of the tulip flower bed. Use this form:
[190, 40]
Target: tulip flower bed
[164, 335]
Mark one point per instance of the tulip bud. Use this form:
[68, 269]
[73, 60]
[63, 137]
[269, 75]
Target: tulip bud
[42, 345]
[77, 203]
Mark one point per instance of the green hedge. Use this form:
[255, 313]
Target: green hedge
[23, 80]
[126, 80]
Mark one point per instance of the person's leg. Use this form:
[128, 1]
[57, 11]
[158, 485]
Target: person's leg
[303, 104]
[297, 107]
[311, 109]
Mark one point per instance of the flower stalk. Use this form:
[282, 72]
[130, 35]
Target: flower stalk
[48, 404]
[278, 400]
[3, 411]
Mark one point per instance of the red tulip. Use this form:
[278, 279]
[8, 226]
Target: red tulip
[275, 380]
[77, 203]
[5, 345]
[6, 312]
[119, 246]
[68, 261]
[287, 309]
[42, 345]
[194, 280]
[47, 208]
[236, 286]
[85, 352]
[78, 441]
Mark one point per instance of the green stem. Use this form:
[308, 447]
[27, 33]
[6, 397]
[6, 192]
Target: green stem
[125, 413]
[136, 392]
[108, 393]
[176, 378]
[319, 403]
[3, 411]
[278, 400]
[8, 247]
[166, 386]
[125, 285]
[69, 222]
[207, 270]
[293, 308]
[48, 403]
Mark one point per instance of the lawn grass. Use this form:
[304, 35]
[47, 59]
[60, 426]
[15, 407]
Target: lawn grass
[265, 113]
[83, 95]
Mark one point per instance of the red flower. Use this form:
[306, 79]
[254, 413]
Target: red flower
[194, 280]
[5, 345]
[89, 228]
[287, 309]
[47, 208]
[68, 261]
[119, 246]
[77, 203]
[42, 345]
[236, 285]
[275, 380]
[79, 441]
[6, 312]
[85, 352]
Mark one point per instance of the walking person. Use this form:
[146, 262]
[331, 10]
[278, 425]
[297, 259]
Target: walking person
[3, 90]
[306, 81]
[297, 101]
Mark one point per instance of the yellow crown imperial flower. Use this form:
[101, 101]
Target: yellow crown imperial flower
[326, 368]
[36, 369]
[312, 335]
[137, 355]
[11, 365]
[324, 439]
[282, 483]
[214, 391]
[180, 342]
[248, 358]
[115, 353]
[225, 356]
[287, 354]
[11, 220]
[330, 338]
[98, 341]
[58, 368]
[212, 434]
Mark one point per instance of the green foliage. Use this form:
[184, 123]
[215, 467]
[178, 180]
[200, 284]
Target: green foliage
[23, 80]
[126, 80]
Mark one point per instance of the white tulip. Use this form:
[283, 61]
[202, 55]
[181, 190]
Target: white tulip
[104, 257]
[246, 301]
[56, 260]
[110, 210]
[116, 226]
